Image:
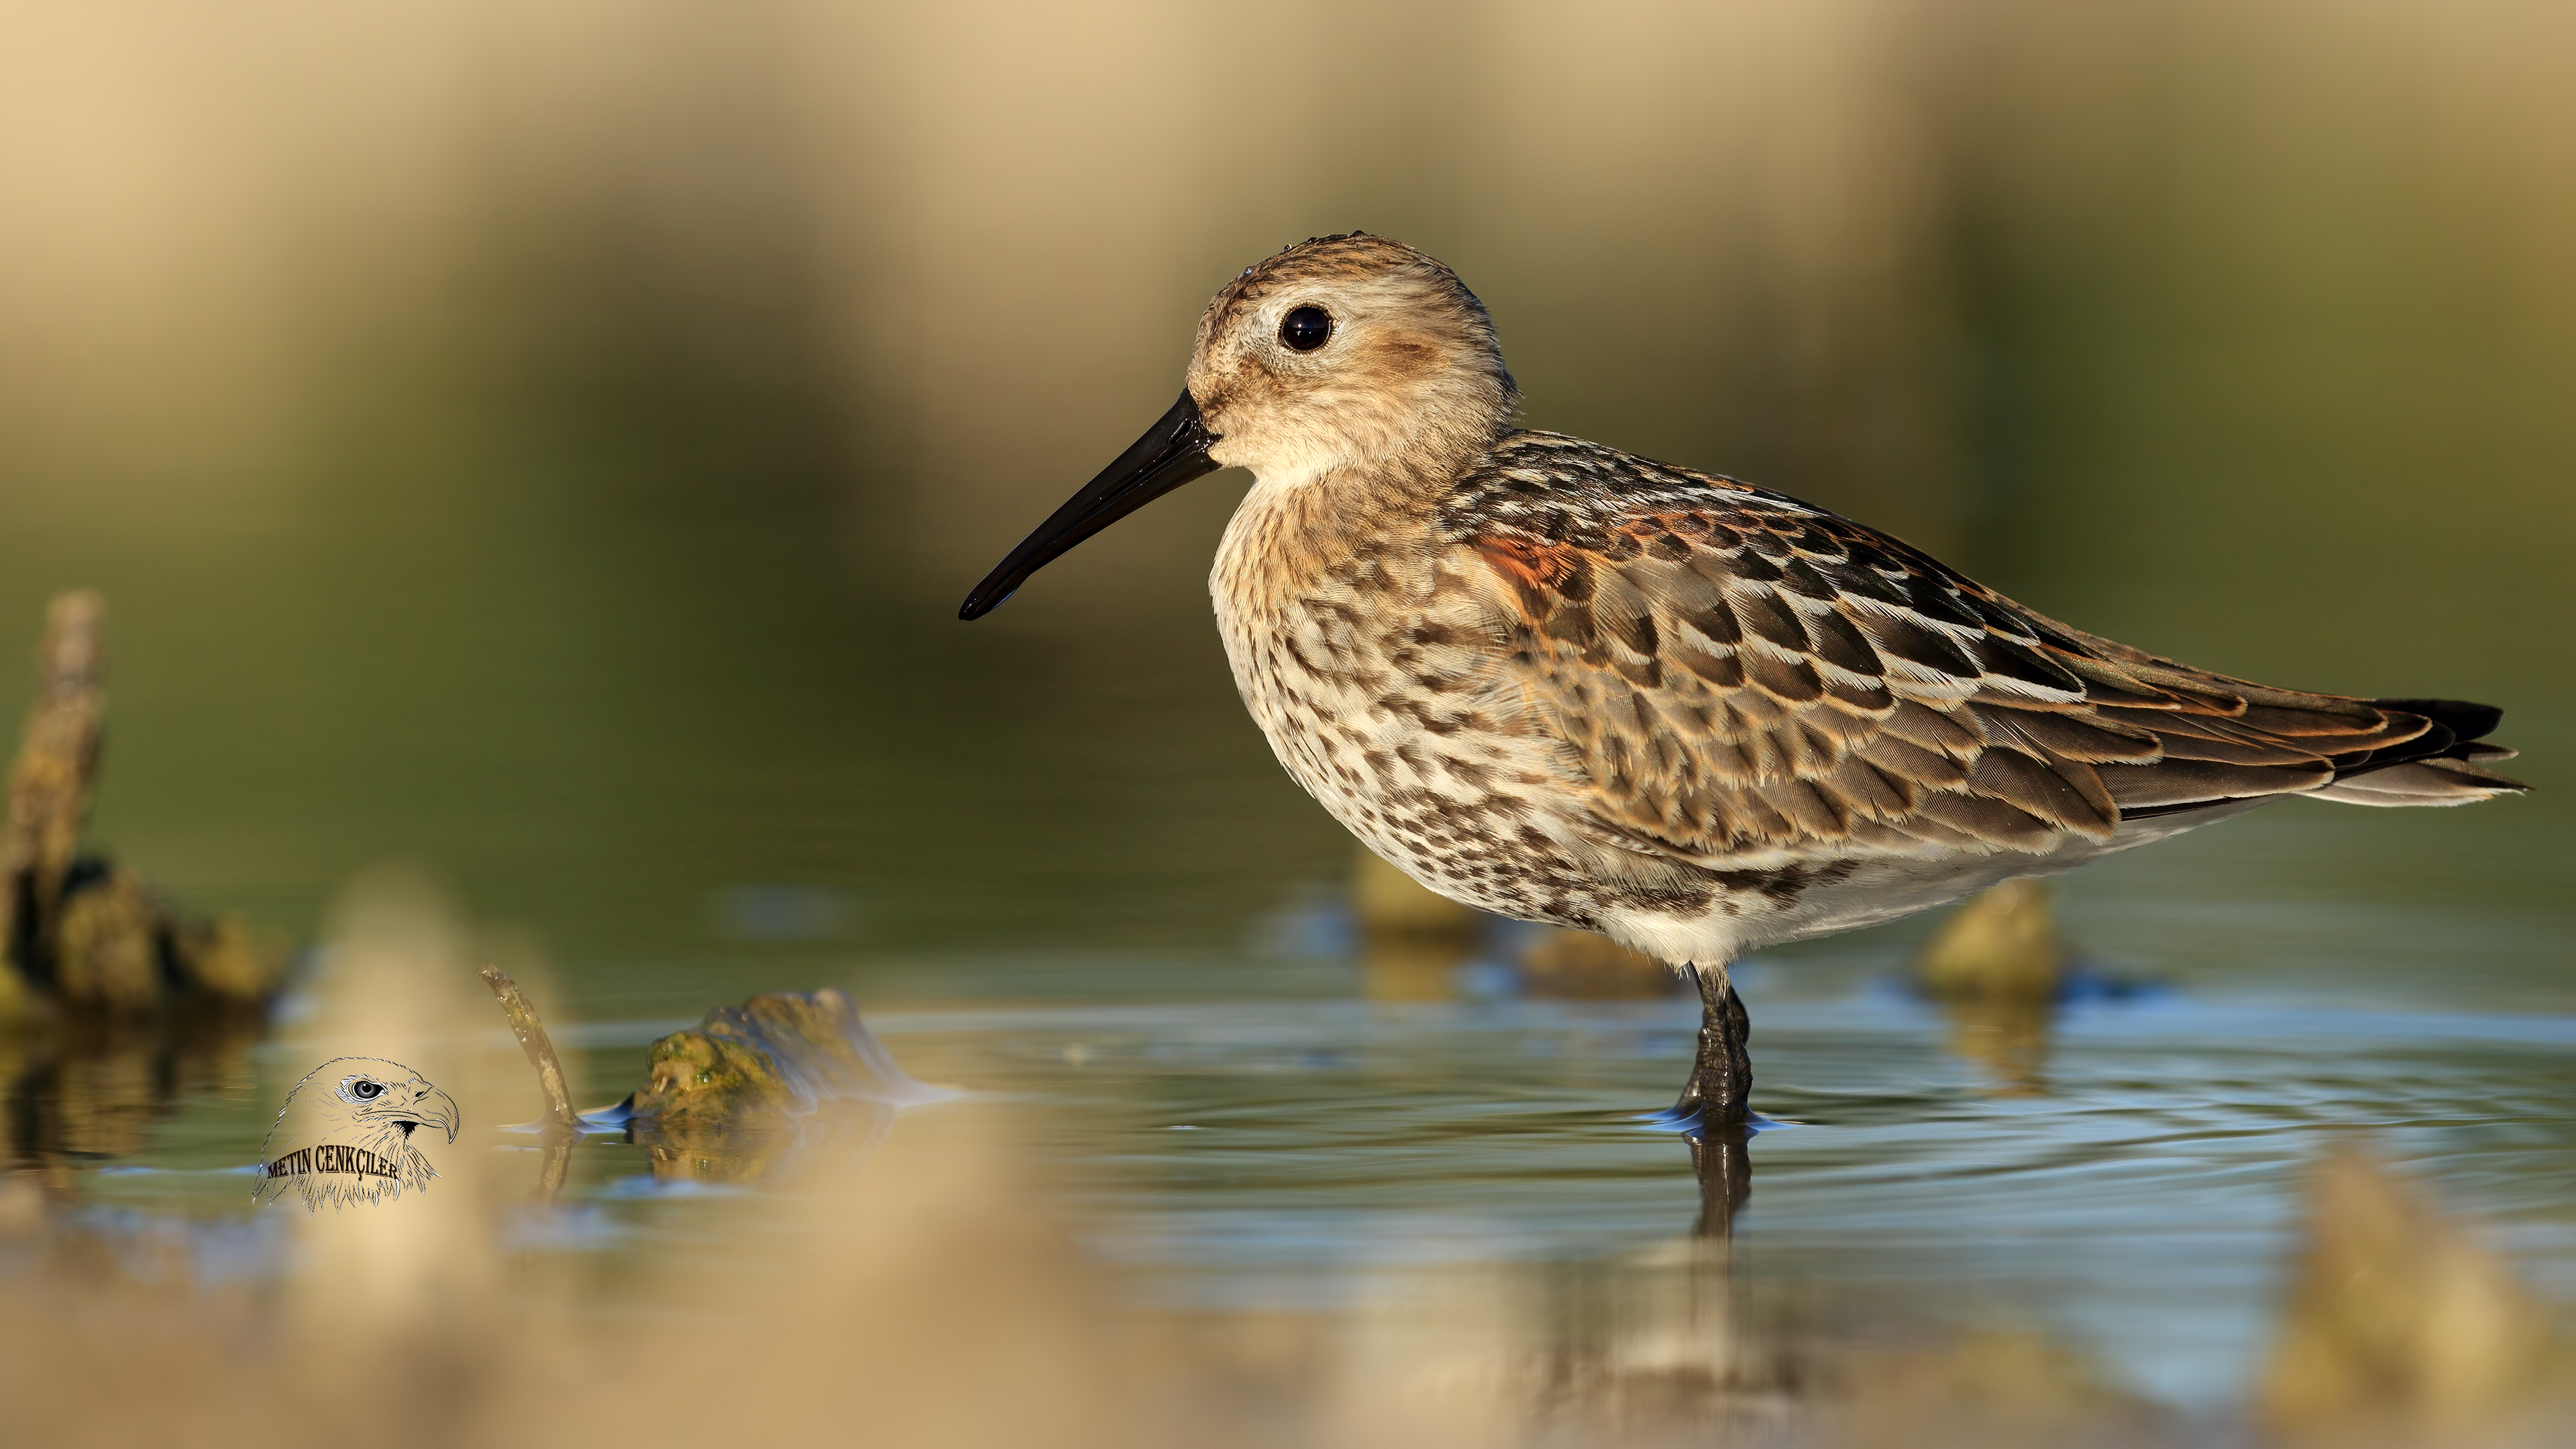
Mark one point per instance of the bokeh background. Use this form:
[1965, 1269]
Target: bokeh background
[546, 441]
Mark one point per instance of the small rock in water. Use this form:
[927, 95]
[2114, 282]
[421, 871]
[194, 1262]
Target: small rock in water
[1390, 903]
[1997, 964]
[1419, 945]
[2402, 1327]
[1412, 939]
[2001, 942]
[1580, 966]
[721, 1098]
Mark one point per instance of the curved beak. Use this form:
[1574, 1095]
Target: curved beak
[436, 1109]
[1172, 452]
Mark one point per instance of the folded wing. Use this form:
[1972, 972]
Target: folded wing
[1740, 674]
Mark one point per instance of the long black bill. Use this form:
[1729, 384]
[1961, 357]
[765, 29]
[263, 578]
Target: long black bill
[1172, 452]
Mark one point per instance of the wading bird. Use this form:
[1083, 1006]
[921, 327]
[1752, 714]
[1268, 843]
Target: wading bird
[345, 1134]
[1568, 685]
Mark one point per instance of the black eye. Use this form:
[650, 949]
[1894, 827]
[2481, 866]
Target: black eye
[1307, 328]
[366, 1091]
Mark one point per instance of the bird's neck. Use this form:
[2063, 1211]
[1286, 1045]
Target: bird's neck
[1293, 536]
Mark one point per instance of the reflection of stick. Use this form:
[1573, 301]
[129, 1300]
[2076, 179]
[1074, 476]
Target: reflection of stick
[541, 1052]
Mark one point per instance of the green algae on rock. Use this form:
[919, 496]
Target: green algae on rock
[725, 1099]
[784, 1052]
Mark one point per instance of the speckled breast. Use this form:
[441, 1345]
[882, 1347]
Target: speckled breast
[1373, 676]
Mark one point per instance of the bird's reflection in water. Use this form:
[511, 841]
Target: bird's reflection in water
[1416, 945]
[1669, 1339]
[1721, 1157]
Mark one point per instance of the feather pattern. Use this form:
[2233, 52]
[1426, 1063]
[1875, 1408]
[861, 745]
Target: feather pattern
[1566, 684]
[1734, 673]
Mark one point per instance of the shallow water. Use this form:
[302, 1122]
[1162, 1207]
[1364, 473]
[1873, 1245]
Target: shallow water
[1258, 1133]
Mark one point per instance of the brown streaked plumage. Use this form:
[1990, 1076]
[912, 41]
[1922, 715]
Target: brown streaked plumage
[1565, 684]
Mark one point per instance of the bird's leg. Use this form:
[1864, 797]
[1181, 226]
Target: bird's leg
[1720, 1089]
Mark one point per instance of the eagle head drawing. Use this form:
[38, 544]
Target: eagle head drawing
[348, 1134]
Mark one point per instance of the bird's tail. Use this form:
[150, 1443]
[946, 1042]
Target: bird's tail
[2442, 766]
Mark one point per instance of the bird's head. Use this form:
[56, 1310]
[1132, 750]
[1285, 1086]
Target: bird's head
[1341, 351]
[1345, 350]
[366, 1095]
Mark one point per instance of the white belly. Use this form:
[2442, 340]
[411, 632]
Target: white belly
[1870, 892]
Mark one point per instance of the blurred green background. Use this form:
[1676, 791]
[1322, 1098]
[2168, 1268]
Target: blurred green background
[549, 440]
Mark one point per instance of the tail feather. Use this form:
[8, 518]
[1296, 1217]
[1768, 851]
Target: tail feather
[2436, 758]
[2419, 782]
[2465, 721]
[2436, 767]
[2454, 728]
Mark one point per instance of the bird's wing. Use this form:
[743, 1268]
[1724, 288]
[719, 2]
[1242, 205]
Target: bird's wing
[1739, 674]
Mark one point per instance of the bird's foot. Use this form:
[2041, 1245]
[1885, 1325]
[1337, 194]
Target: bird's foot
[1690, 1120]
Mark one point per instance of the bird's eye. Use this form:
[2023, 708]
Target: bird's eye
[366, 1091]
[1307, 328]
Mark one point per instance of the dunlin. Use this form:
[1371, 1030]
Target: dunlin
[1565, 684]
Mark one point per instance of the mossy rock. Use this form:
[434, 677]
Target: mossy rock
[696, 1075]
[112, 947]
[722, 1100]
[2000, 944]
[1580, 966]
[107, 946]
